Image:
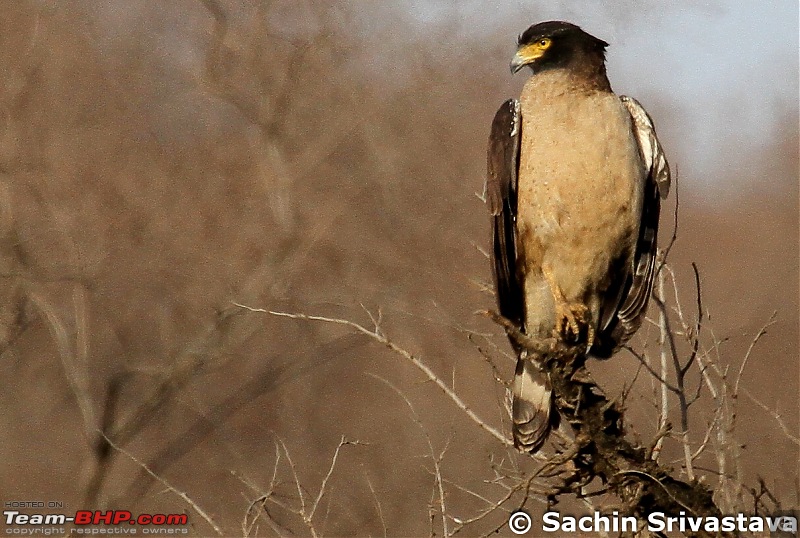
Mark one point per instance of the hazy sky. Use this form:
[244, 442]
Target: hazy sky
[732, 65]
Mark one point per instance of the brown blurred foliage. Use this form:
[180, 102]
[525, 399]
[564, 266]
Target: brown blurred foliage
[159, 163]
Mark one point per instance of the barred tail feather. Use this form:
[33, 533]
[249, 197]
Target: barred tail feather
[533, 414]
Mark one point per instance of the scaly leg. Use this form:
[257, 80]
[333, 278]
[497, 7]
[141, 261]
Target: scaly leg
[572, 319]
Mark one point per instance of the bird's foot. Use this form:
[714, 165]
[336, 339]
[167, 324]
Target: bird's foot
[573, 324]
[573, 320]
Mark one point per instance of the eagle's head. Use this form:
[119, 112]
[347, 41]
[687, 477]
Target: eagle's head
[555, 44]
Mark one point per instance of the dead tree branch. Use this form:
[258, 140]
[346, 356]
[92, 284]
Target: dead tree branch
[601, 449]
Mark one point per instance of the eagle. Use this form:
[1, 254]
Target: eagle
[575, 180]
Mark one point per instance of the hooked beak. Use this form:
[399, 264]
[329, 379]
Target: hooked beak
[518, 62]
[527, 55]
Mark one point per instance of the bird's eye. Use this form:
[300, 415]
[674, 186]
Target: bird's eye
[544, 43]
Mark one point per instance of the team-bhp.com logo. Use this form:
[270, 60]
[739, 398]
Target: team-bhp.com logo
[95, 517]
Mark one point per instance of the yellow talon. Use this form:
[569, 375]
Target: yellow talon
[573, 322]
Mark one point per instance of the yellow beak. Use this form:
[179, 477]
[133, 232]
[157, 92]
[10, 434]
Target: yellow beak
[526, 54]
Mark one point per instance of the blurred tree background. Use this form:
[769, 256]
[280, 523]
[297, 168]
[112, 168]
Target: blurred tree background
[160, 161]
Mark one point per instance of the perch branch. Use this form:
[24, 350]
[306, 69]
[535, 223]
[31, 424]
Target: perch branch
[602, 450]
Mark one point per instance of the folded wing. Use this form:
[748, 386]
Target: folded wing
[629, 313]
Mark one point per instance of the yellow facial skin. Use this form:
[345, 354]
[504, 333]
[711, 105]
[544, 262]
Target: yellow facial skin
[529, 53]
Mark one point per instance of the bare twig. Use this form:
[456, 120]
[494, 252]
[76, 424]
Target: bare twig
[772, 320]
[377, 336]
[260, 503]
[307, 509]
[435, 458]
[663, 414]
[323, 487]
[774, 414]
[167, 485]
[377, 504]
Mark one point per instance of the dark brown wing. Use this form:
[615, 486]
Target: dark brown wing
[501, 187]
[533, 412]
[628, 316]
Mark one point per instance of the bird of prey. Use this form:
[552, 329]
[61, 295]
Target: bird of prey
[575, 177]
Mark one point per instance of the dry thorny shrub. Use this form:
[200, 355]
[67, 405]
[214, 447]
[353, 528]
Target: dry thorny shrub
[682, 364]
[303, 184]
